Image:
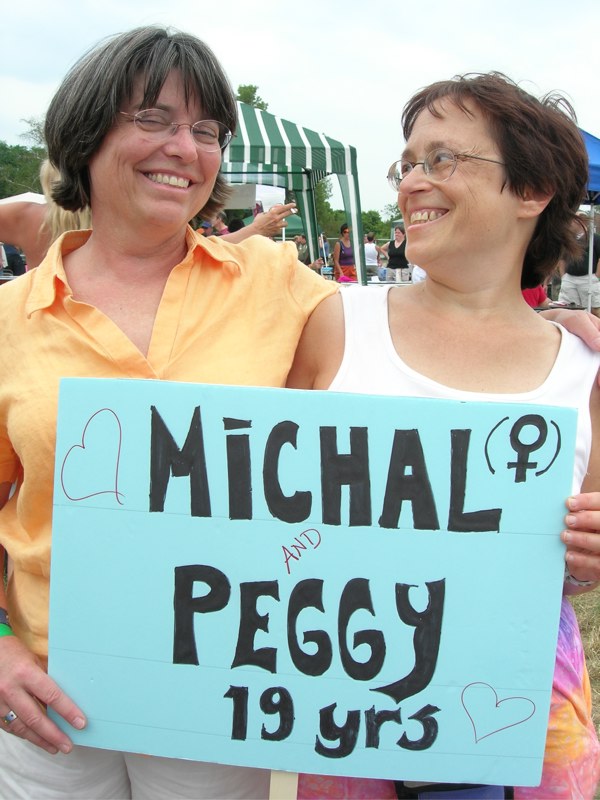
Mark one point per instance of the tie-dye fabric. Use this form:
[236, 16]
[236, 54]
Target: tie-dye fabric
[572, 757]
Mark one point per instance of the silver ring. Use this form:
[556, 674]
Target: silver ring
[10, 717]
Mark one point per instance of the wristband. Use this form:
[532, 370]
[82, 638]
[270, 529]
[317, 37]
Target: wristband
[5, 630]
[574, 581]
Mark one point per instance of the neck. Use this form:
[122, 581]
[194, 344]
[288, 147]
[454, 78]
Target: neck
[128, 261]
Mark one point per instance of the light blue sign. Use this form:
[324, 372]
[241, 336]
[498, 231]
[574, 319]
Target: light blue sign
[310, 581]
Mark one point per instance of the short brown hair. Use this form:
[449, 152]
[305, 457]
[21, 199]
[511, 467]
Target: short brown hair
[541, 147]
[87, 102]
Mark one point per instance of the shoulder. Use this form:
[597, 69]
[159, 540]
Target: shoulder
[251, 248]
[272, 269]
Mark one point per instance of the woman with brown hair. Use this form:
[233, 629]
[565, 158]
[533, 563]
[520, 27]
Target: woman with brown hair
[489, 183]
[344, 267]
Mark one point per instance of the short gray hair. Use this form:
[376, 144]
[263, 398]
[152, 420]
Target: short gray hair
[87, 102]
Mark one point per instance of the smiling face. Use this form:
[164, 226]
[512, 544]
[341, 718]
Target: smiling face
[470, 215]
[140, 181]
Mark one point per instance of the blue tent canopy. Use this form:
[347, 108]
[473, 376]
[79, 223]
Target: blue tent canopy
[592, 145]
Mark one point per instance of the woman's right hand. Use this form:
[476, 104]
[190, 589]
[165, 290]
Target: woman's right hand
[26, 689]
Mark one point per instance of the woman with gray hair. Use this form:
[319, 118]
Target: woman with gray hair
[136, 131]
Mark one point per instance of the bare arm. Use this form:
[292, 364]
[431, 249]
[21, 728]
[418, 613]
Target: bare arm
[20, 225]
[269, 223]
[314, 365]
[582, 535]
[25, 688]
[337, 270]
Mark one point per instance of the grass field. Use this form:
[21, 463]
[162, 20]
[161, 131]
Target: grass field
[587, 607]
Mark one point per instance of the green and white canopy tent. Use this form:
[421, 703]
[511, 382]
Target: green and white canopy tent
[273, 151]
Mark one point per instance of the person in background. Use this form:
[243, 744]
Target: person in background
[489, 184]
[304, 254]
[395, 250]
[372, 251]
[324, 249]
[32, 227]
[3, 258]
[15, 259]
[236, 225]
[417, 274]
[343, 257]
[220, 224]
[536, 297]
[301, 244]
[205, 228]
[577, 285]
[136, 131]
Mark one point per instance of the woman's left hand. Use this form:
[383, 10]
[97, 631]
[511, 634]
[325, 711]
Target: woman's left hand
[582, 536]
[579, 323]
[271, 222]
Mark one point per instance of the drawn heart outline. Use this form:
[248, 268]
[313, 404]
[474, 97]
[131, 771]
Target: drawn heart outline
[115, 490]
[471, 709]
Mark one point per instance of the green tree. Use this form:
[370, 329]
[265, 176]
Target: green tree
[372, 223]
[324, 211]
[35, 134]
[19, 169]
[247, 93]
[390, 213]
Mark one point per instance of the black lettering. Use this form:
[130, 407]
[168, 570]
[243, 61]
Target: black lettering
[239, 470]
[426, 639]
[430, 730]
[346, 735]
[239, 724]
[458, 519]
[283, 706]
[167, 459]
[525, 449]
[186, 605]
[415, 487]
[288, 509]
[251, 622]
[374, 721]
[351, 469]
[308, 594]
[357, 595]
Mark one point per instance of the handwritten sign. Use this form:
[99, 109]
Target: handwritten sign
[310, 581]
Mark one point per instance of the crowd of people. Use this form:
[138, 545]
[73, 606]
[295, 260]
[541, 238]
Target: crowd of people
[135, 134]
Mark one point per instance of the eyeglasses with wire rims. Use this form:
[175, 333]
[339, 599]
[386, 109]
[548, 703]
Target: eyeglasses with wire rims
[208, 134]
[439, 165]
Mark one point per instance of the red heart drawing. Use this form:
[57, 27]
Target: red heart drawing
[488, 714]
[90, 469]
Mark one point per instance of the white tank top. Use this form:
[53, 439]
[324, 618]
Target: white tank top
[371, 365]
[370, 254]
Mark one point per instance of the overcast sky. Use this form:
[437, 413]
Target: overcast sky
[344, 68]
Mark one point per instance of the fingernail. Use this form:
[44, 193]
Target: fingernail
[566, 536]
[571, 519]
[79, 723]
[65, 748]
